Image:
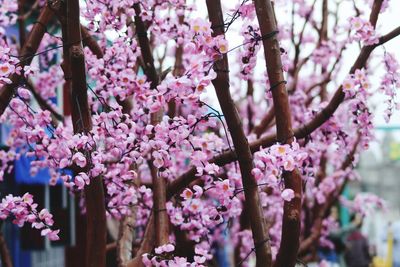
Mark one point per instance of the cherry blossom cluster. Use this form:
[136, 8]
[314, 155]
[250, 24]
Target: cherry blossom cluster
[390, 82]
[197, 216]
[363, 31]
[8, 65]
[163, 256]
[356, 84]
[49, 80]
[8, 16]
[252, 41]
[23, 210]
[357, 87]
[160, 256]
[271, 162]
[213, 47]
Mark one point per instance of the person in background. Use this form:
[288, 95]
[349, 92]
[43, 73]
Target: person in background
[357, 249]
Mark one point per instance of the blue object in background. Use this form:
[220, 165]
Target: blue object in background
[345, 212]
[22, 172]
[222, 257]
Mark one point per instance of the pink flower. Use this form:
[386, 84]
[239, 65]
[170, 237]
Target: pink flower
[79, 159]
[287, 194]
[222, 45]
[195, 206]
[24, 93]
[187, 194]
[198, 191]
[6, 69]
[223, 188]
[288, 163]
[164, 248]
[199, 259]
[158, 159]
[81, 179]
[44, 215]
[169, 248]
[209, 169]
[53, 235]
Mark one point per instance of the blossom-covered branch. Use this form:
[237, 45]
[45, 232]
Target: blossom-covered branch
[245, 158]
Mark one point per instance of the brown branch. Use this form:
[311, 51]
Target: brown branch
[87, 38]
[144, 43]
[375, 10]
[126, 236]
[146, 245]
[24, 16]
[250, 113]
[4, 252]
[81, 120]
[27, 52]
[287, 253]
[323, 34]
[21, 23]
[297, 45]
[324, 24]
[159, 206]
[260, 128]
[245, 158]
[90, 42]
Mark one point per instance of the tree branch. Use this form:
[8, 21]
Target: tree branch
[4, 252]
[81, 120]
[252, 198]
[287, 253]
[260, 128]
[21, 23]
[375, 10]
[146, 245]
[126, 236]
